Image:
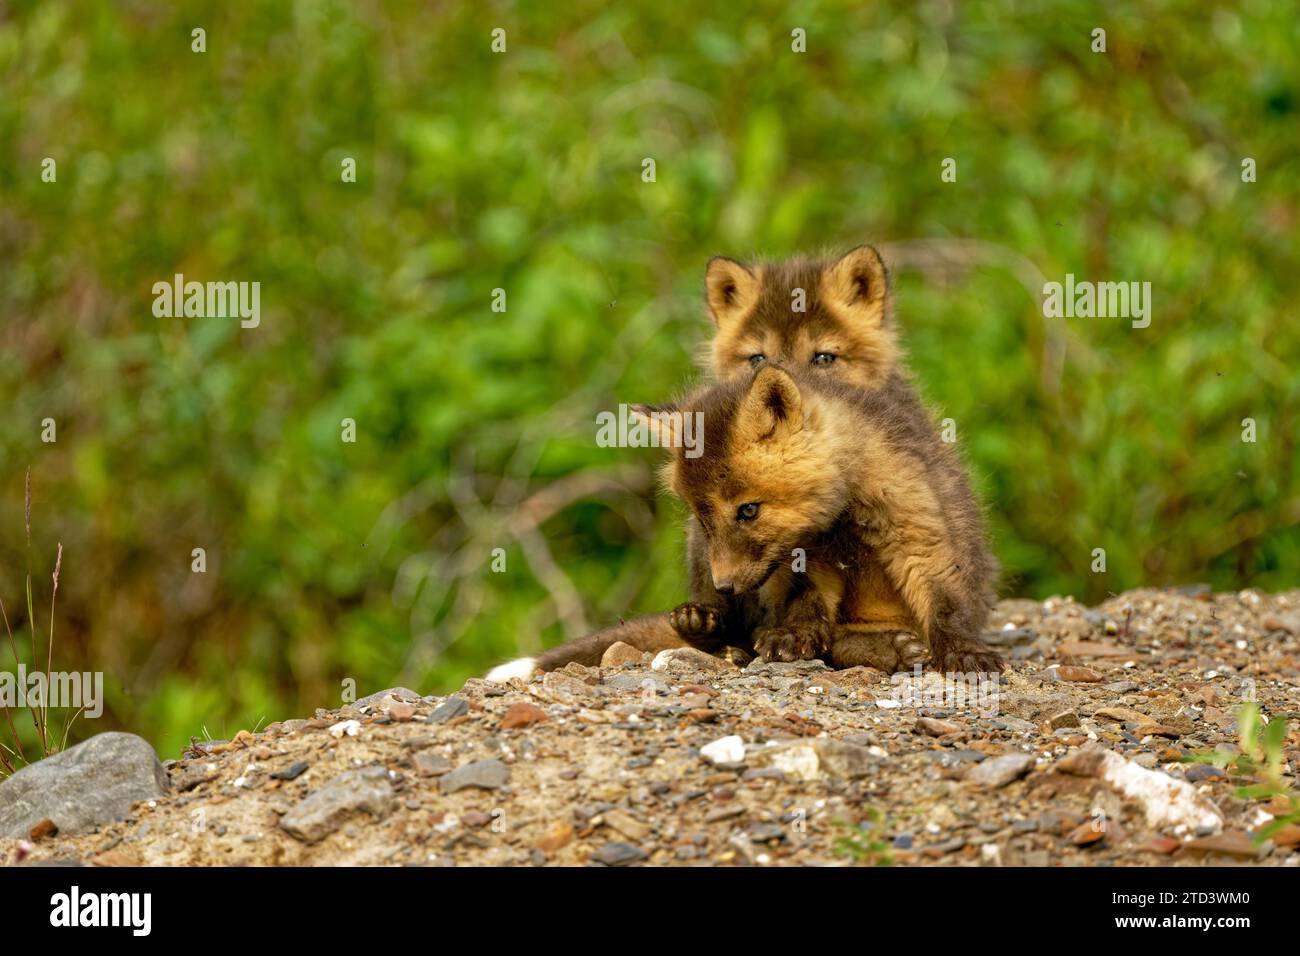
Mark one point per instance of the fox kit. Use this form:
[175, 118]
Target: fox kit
[831, 319]
[777, 479]
[852, 484]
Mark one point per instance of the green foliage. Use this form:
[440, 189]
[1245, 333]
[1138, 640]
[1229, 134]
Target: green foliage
[522, 171]
[43, 733]
[1261, 765]
[865, 843]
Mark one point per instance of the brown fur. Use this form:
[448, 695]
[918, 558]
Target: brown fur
[847, 314]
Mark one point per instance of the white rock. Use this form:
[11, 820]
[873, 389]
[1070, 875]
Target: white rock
[724, 750]
[350, 727]
[1262, 818]
[1167, 801]
[801, 763]
[660, 662]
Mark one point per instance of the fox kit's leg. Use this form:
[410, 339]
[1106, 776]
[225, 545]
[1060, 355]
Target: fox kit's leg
[800, 611]
[876, 627]
[800, 616]
[936, 580]
[876, 645]
[709, 619]
[848, 617]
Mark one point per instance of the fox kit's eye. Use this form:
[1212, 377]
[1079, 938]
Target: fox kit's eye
[823, 358]
[747, 511]
[757, 360]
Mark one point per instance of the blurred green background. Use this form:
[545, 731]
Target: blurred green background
[523, 171]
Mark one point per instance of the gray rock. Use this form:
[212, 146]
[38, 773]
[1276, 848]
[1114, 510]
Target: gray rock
[765, 832]
[728, 811]
[1000, 771]
[955, 758]
[1018, 724]
[811, 758]
[760, 666]
[83, 787]
[402, 693]
[194, 775]
[618, 854]
[329, 806]
[484, 774]
[947, 846]
[1010, 638]
[431, 764]
[636, 681]
[449, 708]
[561, 685]
[292, 772]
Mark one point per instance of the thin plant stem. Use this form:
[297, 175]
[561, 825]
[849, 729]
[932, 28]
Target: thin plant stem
[37, 716]
[13, 646]
[67, 725]
[49, 653]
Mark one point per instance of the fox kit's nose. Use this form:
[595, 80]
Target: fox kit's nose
[724, 587]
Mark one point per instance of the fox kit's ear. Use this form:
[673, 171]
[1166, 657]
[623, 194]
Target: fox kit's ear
[773, 407]
[730, 288]
[661, 422]
[858, 285]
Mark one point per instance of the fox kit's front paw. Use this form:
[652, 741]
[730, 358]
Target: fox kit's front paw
[789, 643]
[697, 624]
[911, 650]
[967, 657]
[888, 651]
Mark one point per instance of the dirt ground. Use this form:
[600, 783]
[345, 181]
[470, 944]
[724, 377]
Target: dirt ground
[631, 765]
